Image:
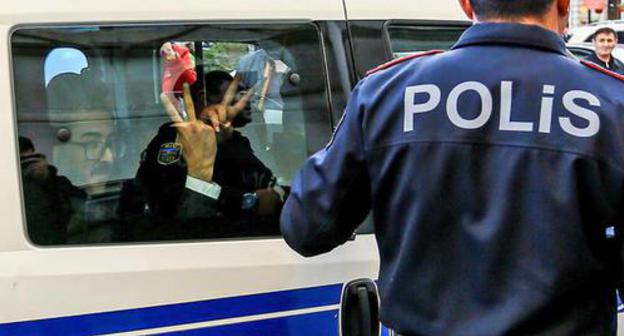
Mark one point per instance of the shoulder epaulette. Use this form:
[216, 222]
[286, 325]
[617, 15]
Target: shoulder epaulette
[603, 70]
[401, 60]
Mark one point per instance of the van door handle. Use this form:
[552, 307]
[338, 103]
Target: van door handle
[359, 309]
[365, 313]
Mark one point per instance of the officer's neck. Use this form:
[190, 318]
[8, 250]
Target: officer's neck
[552, 25]
[554, 19]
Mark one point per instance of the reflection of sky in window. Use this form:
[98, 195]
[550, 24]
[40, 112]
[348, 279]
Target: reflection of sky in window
[63, 60]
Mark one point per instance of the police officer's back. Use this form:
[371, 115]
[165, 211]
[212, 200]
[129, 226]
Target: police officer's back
[494, 172]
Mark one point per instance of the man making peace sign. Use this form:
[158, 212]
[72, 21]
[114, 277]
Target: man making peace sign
[202, 174]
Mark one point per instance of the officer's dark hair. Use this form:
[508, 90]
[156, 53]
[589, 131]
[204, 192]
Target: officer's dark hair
[25, 145]
[604, 30]
[509, 9]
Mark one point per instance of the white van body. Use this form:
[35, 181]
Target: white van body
[241, 286]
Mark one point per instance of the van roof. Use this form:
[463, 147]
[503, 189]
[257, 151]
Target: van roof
[71, 11]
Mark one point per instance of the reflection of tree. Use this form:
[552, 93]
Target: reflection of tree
[223, 55]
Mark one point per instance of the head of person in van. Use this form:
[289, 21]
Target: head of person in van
[216, 85]
[81, 107]
[32, 164]
[549, 14]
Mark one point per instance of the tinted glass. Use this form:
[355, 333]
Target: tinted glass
[100, 159]
[407, 39]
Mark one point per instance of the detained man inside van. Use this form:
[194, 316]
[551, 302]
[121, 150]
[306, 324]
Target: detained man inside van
[242, 196]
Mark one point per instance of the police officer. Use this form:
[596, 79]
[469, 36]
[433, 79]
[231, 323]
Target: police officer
[495, 175]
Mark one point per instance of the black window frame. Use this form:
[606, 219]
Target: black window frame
[311, 146]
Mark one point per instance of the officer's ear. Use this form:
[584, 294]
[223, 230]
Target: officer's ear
[563, 13]
[467, 7]
[563, 8]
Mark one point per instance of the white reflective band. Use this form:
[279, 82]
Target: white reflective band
[231, 321]
[209, 189]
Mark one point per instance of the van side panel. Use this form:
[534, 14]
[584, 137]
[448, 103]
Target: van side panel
[51, 283]
[12, 236]
[407, 10]
[63, 11]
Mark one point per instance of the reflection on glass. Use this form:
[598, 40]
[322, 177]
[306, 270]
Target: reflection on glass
[64, 60]
[409, 39]
[91, 103]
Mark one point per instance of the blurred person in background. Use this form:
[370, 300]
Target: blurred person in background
[605, 39]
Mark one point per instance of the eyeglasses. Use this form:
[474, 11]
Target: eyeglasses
[95, 145]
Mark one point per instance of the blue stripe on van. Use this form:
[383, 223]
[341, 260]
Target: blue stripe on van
[175, 314]
[314, 324]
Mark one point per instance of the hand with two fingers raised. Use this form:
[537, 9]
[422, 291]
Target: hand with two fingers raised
[198, 139]
[221, 115]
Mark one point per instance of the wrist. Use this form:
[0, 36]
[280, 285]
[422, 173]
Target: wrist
[202, 173]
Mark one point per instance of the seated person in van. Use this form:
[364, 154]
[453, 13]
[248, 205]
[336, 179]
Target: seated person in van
[51, 200]
[241, 197]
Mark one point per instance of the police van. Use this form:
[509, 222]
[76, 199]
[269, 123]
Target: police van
[81, 84]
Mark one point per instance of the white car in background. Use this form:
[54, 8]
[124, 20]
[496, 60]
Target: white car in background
[584, 34]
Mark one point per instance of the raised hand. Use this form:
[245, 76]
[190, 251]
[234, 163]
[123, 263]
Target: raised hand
[198, 139]
[221, 115]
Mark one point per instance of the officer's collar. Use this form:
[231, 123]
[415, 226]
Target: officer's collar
[512, 33]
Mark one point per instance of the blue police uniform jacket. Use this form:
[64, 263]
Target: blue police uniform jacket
[493, 171]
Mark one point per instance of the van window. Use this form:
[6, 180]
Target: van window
[63, 60]
[100, 160]
[406, 38]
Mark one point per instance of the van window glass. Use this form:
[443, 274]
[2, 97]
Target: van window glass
[101, 160]
[406, 39]
[64, 60]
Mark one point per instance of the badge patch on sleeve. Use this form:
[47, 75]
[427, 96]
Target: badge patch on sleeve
[169, 153]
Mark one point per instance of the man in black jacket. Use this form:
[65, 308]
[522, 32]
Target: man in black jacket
[605, 40]
[240, 198]
[51, 200]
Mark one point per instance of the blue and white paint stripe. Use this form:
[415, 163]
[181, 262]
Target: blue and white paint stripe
[307, 311]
